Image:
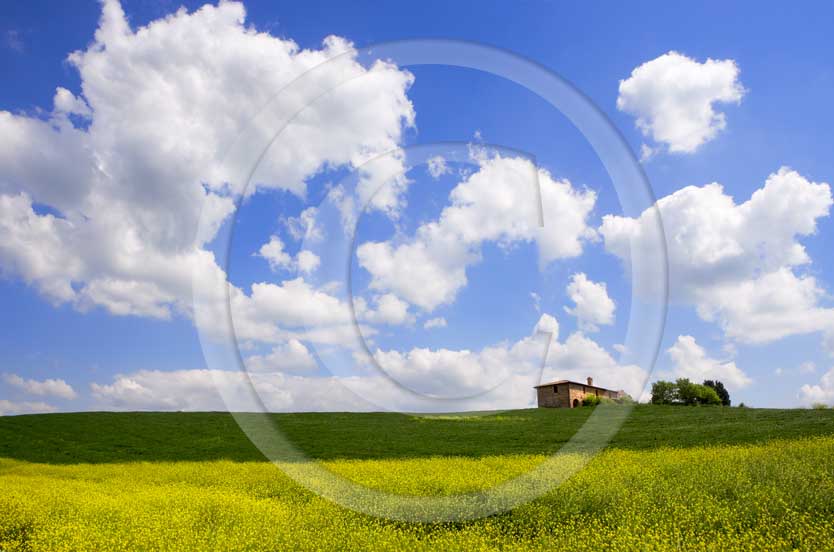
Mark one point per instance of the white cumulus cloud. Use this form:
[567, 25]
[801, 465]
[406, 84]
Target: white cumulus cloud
[307, 261]
[291, 357]
[130, 184]
[390, 309]
[437, 166]
[690, 360]
[303, 227]
[738, 264]
[499, 376]
[499, 203]
[432, 323]
[673, 98]
[822, 392]
[46, 388]
[278, 258]
[593, 305]
[11, 408]
[273, 252]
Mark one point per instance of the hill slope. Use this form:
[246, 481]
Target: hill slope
[95, 437]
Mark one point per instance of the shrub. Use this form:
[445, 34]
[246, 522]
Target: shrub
[707, 395]
[591, 400]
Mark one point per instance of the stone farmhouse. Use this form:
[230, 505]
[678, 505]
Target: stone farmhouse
[569, 394]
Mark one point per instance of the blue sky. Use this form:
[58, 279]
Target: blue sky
[103, 186]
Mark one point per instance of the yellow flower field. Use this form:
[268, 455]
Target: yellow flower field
[773, 496]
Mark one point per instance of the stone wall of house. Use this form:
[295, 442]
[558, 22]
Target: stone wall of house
[554, 396]
[564, 394]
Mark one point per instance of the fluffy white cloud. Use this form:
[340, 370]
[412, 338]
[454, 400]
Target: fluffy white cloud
[593, 305]
[500, 376]
[390, 309]
[291, 357]
[427, 272]
[290, 304]
[580, 356]
[690, 360]
[273, 252]
[197, 390]
[548, 325]
[736, 263]
[498, 203]
[66, 103]
[767, 308]
[432, 323]
[46, 388]
[273, 312]
[823, 392]
[307, 261]
[278, 258]
[303, 227]
[673, 98]
[125, 189]
[382, 184]
[447, 373]
[647, 152]
[437, 166]
[177, 390]
[130, 184]
[501, 368]
[11, 408]
[296, 309]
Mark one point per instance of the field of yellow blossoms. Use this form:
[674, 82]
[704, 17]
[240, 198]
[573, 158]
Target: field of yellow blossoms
[773, 496]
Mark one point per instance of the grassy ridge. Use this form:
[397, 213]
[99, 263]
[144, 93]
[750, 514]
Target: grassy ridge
[153, 436]
[674, 478]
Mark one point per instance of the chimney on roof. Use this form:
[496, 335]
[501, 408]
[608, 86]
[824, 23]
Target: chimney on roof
[590, 380]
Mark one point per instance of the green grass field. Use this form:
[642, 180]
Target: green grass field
[672, 478]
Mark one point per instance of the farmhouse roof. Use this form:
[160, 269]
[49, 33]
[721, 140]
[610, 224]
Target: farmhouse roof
[548, 384]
